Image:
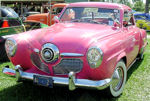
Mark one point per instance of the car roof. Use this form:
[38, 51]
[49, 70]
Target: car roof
[100, 4]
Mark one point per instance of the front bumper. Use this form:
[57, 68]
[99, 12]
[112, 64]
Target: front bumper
[71, 81]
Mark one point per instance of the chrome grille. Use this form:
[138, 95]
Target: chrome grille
[38, 63]
[67, 65]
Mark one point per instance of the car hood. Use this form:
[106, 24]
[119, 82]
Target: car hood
[37, 17]
[69, 37]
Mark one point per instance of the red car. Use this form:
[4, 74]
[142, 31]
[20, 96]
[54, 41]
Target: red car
[92, 45]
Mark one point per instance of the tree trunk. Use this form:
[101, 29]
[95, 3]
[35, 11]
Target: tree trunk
[147, 6]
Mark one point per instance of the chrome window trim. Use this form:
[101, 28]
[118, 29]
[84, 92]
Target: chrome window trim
[71, 55]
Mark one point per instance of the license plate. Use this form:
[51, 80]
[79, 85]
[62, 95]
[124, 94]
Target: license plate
[43, 81]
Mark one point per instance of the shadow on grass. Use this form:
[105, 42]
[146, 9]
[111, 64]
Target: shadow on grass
[133, 68]
[28, 92]
[148, 32]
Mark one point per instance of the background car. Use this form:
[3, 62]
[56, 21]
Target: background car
[32, 25]
[10, 24]
[26, 14]
[142, 20]
[47, 18]
[85, 48]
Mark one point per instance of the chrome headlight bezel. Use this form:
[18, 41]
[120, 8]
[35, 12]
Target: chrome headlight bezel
[98, 59]
[10, 47]
[49, 53]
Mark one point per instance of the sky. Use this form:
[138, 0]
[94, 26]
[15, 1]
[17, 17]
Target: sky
[144, 1]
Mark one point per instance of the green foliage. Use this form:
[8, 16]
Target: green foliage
[139, 6]
[129, 4]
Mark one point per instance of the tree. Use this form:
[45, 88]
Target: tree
[129, 4]
[147, 6]
[139, 6]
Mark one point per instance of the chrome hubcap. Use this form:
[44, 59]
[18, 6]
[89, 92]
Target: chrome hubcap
[117, 79]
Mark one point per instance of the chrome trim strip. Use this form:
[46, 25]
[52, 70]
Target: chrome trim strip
[72, 82]
[36, 50]
[7, 36]
[132, 64]
[71, 55]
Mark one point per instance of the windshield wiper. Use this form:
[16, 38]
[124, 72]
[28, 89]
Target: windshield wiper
[95, 22]
[76, 20]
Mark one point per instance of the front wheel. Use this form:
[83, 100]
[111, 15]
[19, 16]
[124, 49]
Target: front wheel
[118, 80]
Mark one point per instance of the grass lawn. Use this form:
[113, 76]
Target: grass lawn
[137, 87]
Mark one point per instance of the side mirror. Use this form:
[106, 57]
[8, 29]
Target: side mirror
[116, 25]
[56, 19]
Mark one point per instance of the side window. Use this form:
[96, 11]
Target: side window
[128, 19]
[14, 22]
[3, 13]
[68, 15]
[57, 10]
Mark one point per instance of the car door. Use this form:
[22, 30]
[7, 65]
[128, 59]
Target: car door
[132, 34]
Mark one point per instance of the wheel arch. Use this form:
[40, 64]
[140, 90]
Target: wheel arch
[122, 57]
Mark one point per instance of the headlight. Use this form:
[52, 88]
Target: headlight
[49, 53]
[11, 47]
[94, 57]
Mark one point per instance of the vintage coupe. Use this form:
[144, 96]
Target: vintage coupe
[90, 46]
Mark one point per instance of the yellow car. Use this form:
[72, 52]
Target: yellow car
[143, 21]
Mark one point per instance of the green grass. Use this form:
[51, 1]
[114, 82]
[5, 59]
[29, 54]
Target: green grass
[148, 33]
[137, 87]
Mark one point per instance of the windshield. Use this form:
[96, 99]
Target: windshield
[7, 12]
[91, 15]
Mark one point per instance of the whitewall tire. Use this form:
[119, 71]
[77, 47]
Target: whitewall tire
[118, 79]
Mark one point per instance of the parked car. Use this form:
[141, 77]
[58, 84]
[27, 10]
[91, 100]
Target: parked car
[10, 24]
[92, 45]
[26, 14]
[47, 18]
[32, 25]
[143, 20]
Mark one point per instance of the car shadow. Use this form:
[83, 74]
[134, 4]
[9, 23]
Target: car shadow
[133, 68]
[27, 91]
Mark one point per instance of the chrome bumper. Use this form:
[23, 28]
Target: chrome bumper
[71, 81]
